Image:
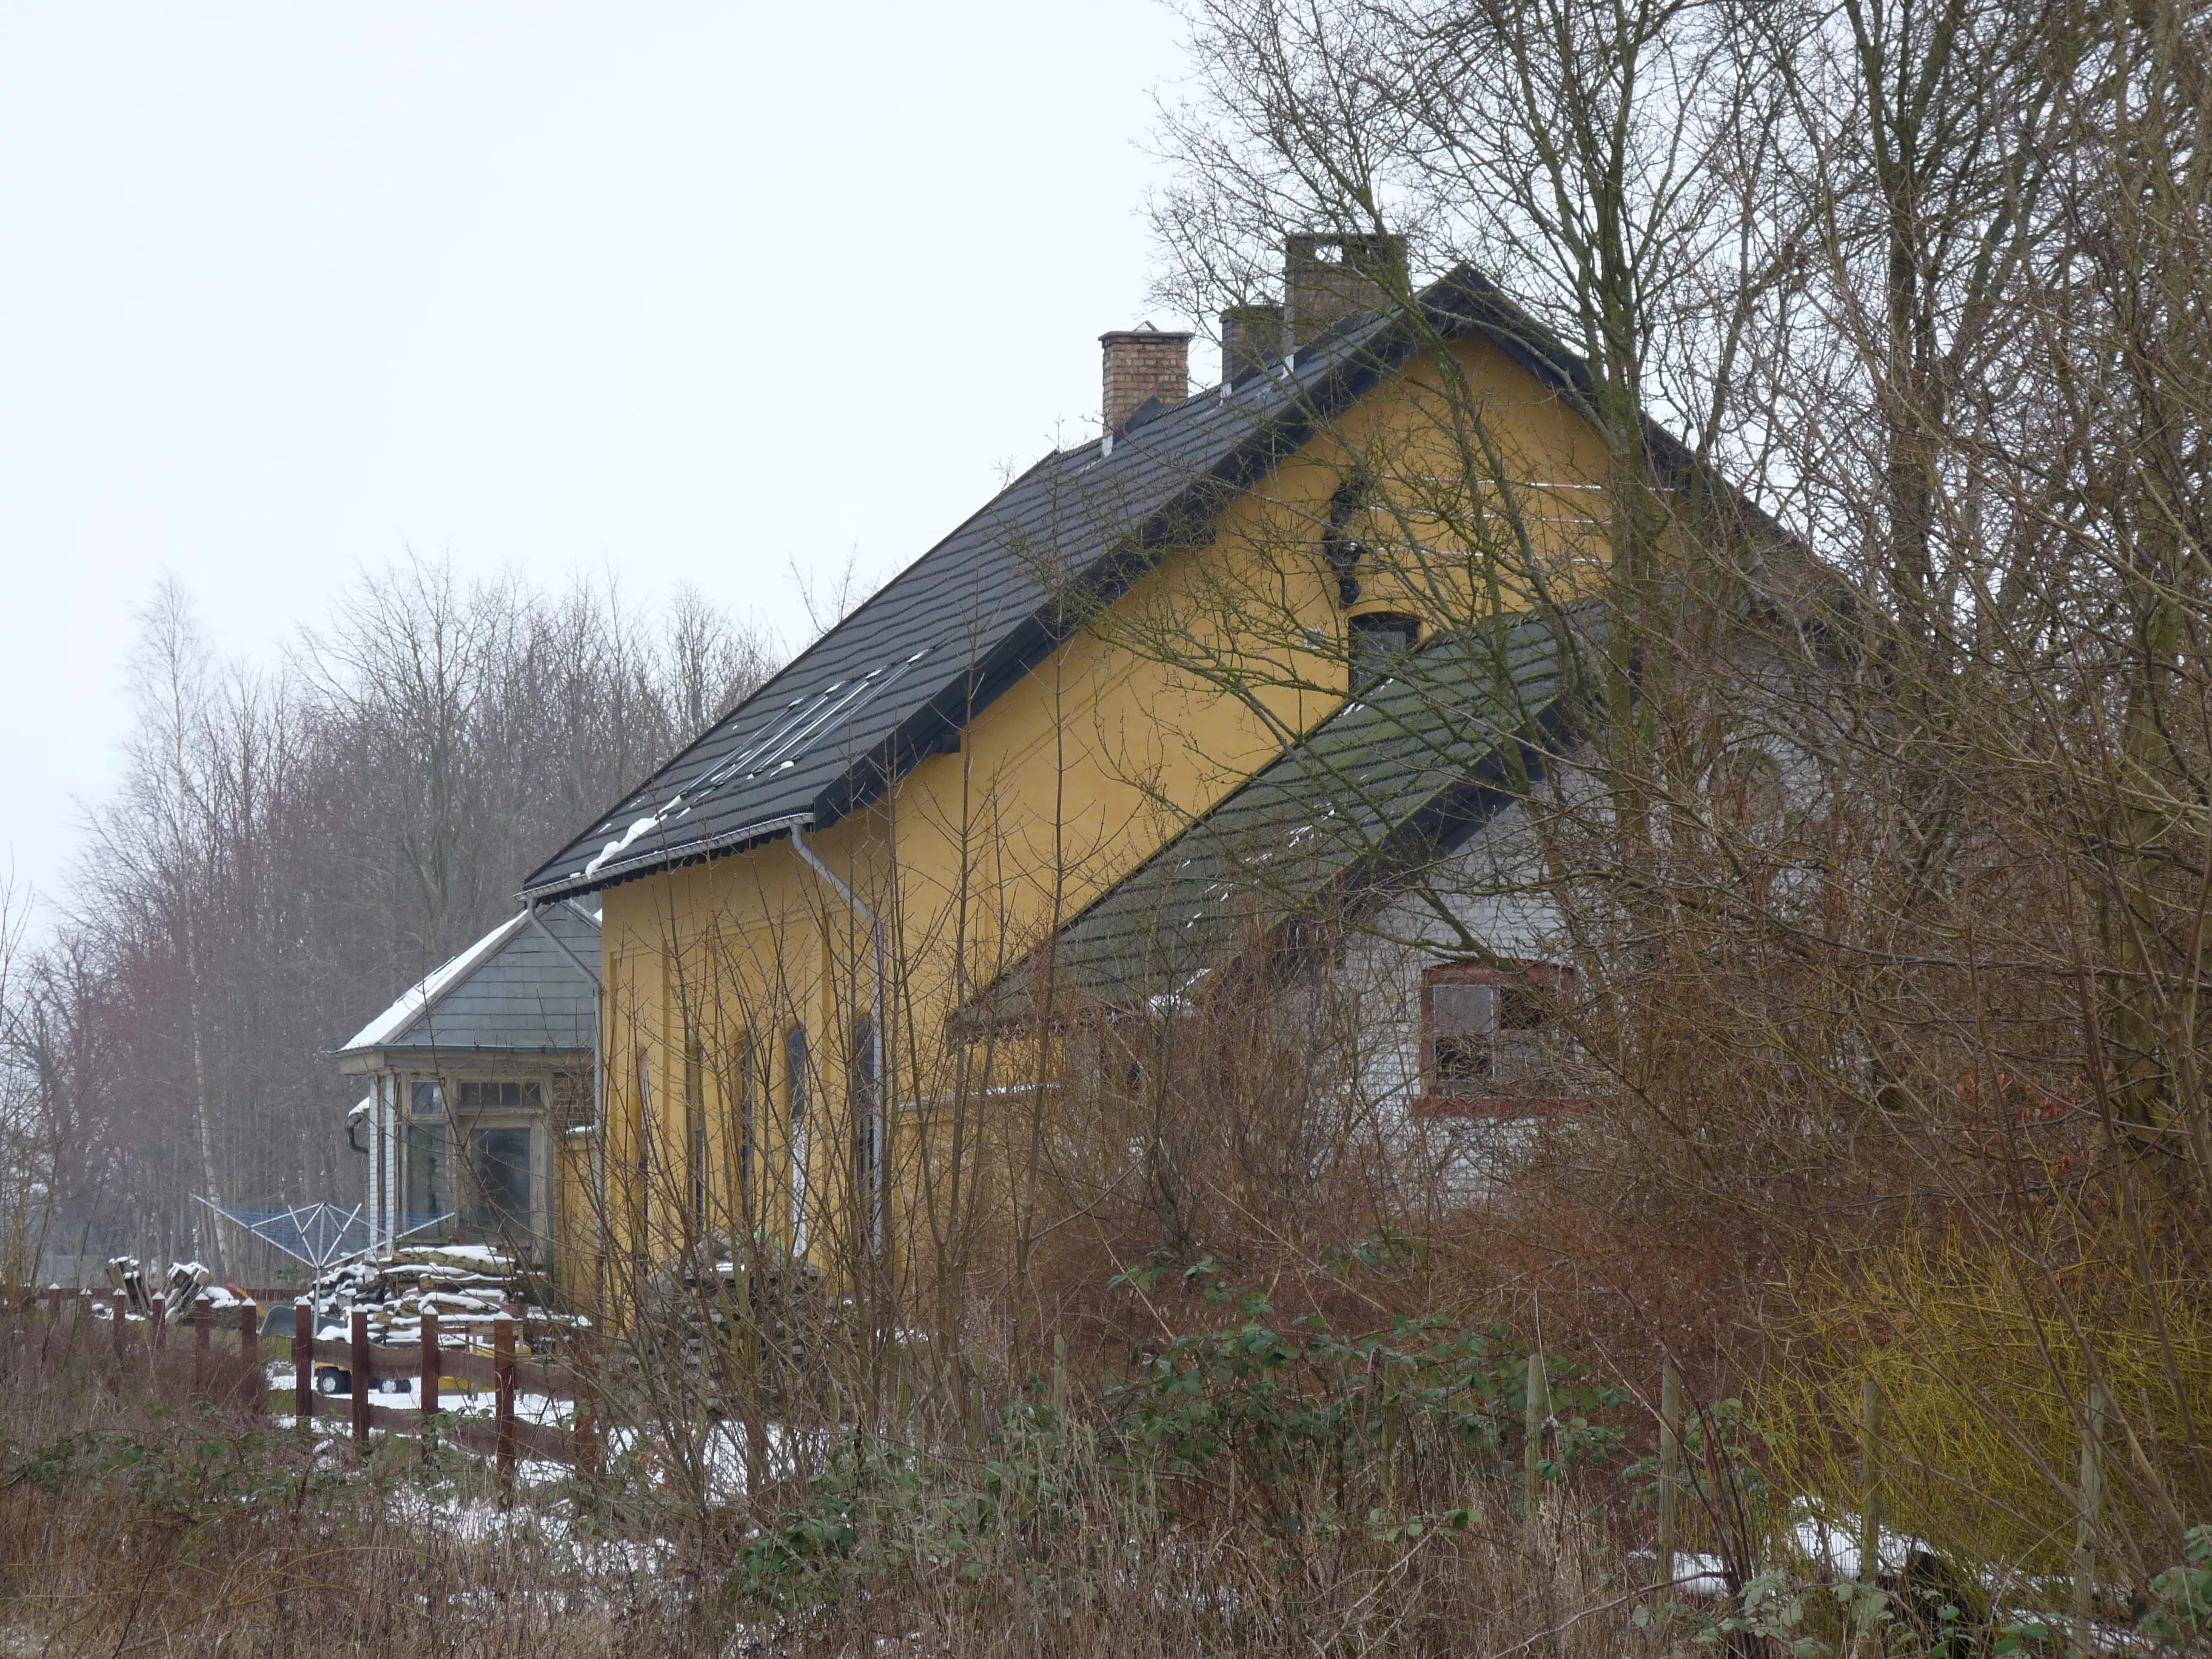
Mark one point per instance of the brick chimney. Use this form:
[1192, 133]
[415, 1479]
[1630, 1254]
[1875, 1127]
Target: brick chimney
[1249, 336]
[1142, 364]
[1326, 278]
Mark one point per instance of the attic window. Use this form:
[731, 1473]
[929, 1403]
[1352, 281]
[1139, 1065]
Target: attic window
[1484, 1043]
[1378, 641]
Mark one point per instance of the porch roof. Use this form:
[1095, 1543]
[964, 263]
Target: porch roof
[513, 992]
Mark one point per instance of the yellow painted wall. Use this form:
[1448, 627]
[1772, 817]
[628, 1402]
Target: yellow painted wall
[1060, 788]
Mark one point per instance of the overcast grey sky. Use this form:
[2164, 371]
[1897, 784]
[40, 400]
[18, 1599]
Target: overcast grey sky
[681, 291]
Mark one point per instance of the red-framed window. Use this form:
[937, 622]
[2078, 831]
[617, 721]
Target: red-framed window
[1488, 1040]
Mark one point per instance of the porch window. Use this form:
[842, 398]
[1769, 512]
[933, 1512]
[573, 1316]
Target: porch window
[1484, 1037]
[499, 1162]
[486, 1096]
[429, 1188]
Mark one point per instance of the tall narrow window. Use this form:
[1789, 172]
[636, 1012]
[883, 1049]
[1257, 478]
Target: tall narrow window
[866, 1114]
[644, 1200]
[430, 1190]
[748, 1064]
[794, 1089]
[695, 1116]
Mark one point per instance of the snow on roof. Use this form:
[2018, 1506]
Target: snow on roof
[420, 998]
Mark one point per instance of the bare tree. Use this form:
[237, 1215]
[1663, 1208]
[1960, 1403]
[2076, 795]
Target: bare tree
[291, 848]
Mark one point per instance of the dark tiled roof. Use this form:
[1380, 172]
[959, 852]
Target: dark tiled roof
[898, 680]
[1370, 795]
[515, 991]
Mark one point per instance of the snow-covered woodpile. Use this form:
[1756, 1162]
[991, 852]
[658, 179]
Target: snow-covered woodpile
[467, 1285]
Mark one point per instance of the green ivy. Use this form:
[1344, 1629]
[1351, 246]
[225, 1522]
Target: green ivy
[1285, 1399]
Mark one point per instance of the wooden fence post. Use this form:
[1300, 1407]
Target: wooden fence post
[429, 1377]
[503, 1371]
[1670, 1465]
[160, 1318]
[249, 1351]
[1867, 1640]
[303, 1363]
[118, 1303]
[203, 1312]
[2085, 1526]
[1870, 1484]
[586, 1431]
[1540, 1410]
[53, 1305]
[360, 1377]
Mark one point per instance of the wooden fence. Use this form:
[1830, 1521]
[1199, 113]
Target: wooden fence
[503, 1437]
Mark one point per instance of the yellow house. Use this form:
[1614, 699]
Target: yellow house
[798, 906]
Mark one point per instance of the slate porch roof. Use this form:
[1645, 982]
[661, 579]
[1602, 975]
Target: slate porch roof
[513, 992]
[898, 679]
[1406, 772]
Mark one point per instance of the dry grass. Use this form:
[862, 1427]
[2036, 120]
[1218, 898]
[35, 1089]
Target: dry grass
[137, 1521]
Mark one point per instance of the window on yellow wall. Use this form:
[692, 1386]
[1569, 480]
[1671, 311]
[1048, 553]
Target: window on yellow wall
[695, 1124]
[794, 1091]
[749, 1084]
[866, 1119]
[644, 1147]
